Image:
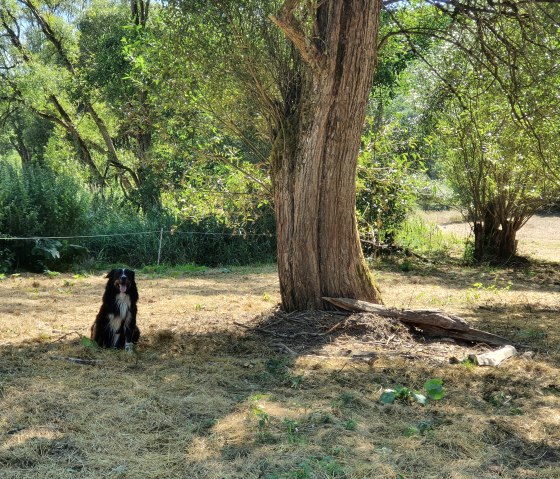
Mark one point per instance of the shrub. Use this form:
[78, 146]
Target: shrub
[34, 201]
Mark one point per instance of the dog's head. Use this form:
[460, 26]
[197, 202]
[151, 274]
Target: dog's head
[121, 279]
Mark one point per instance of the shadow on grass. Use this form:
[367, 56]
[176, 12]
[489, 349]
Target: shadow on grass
[226, 404]
[534, 276]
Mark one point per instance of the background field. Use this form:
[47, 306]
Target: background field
[205, 397]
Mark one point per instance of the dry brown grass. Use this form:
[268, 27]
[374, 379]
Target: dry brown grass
[204, 398]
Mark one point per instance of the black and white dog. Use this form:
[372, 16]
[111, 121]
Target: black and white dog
[115, 325]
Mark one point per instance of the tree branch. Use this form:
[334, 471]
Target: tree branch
[289, 25]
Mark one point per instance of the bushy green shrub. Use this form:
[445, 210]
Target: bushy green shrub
[426, 238]
[386, 193]
[34, 201]
[208, 241]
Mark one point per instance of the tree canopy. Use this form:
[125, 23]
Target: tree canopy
[197, 109]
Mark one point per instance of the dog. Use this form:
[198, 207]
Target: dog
[115, 324]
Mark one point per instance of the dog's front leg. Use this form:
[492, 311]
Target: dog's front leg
[129, 327]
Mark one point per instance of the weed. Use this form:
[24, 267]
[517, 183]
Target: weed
[476, 289]
[532, 334]
[406, 265]
[426, 238]
[499, 399]
[318, 467]
[516, 412]
[278, 369]
[350, 425]
[89, 343]
[346, 399]
[293, 431]
[263, 419]
[326, 419]
[418, 430]
[162, 270]
[433, 388]
[468, 363]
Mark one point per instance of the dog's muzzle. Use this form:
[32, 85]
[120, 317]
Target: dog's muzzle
[122, 284]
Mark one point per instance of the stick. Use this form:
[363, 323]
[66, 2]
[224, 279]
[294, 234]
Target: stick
[66, 335]
[89, 362]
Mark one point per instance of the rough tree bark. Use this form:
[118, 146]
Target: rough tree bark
[495, 236]
[315, 154]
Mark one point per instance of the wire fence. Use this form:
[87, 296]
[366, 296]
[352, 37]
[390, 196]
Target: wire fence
[167, 243]
[161, 232]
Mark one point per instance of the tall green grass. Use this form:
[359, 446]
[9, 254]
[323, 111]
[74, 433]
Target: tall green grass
[426, 238]
[207, 242]
[34, 201]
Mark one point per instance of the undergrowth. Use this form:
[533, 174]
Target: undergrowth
[426, 238]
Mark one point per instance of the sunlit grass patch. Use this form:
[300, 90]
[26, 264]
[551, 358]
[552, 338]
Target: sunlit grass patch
[421, 236]
[173, 271]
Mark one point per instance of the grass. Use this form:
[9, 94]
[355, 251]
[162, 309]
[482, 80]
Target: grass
[423, 236]
[203, 398]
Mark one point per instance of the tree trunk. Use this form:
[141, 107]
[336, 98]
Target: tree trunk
[507, 245]
[83, 150]
[21, 147]
[494, 238]
[315, 156]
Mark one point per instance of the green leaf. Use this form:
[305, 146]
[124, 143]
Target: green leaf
[411, 431]
[434, 389]
[88, 343]
[388, 396]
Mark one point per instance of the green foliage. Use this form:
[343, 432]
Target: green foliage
[88, 343]
[387, 186]
[420, 429]
[433, 388]
[317, 467]
[292, 430]
[36, 202]
[160, 270]
[208, 241]
[426, 238]
[279, 370]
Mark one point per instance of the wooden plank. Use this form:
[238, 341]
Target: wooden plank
[471, 334]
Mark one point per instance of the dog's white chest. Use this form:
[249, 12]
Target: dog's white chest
[123, 302]
[116, 322]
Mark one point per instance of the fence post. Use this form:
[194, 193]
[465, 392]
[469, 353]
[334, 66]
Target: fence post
[159, 250]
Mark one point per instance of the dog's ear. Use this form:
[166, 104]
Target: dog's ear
[110, 273]
[131, 275]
